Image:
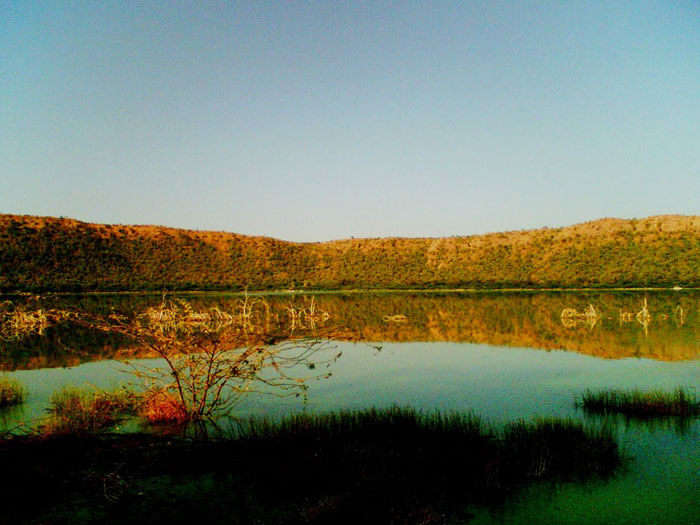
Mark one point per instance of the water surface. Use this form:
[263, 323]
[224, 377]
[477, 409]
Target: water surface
[503, 356]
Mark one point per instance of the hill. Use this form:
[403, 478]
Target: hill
[45, 253]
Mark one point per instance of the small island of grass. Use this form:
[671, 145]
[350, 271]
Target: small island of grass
[12, 392]
[643, 404]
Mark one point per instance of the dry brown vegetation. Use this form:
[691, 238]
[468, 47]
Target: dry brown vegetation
[43, 253]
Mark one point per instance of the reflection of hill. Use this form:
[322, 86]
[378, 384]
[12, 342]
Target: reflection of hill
[66, 344]
[529, 320]
[520, 319]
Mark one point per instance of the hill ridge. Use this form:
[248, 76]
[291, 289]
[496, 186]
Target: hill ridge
[676, 220]
[49, 253]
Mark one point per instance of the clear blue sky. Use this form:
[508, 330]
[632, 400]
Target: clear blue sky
[321, 120]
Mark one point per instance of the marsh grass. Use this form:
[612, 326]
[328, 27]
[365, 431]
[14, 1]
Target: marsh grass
[558, 448]
[82, 410]
[395, 465]
[374, 423]
[458, 447]
[12, 392]
[640, 404]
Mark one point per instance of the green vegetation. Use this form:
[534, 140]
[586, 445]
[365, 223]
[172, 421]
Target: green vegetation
[12, 392]
[376, 424]
[378, 466]
[62, 254]
[681, 402]
[80, 410]
[548, 448]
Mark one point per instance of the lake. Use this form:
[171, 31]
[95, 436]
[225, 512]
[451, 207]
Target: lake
[504, 356]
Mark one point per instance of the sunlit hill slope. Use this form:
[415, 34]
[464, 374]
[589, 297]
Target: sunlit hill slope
[44, 253]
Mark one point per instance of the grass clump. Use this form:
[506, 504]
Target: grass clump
[557, 449]
[456, 447]
[12, 392]
[636, 403]
[371, 423]
[80, 410]
[415, 462]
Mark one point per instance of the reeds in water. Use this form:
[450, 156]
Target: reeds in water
[12, 392]
[375, 423]
[643, 404]
[457, 447]
[79, 410]
[558, 448]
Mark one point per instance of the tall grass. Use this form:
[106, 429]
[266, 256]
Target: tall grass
[559, 448]
[368, 423]
[457, 447]
[12, 392]
[80, 410]
[680, 402]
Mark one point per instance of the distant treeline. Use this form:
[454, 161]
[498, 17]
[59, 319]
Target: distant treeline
[39, 254]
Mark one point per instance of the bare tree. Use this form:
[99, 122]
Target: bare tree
[212, 357]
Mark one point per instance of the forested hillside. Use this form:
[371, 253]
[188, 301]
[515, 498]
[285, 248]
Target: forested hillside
[43, 253]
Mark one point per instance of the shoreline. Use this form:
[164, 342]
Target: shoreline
[352, 291]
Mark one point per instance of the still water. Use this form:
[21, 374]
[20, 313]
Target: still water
[503, 356]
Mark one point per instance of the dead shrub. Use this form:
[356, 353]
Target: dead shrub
[161, 406]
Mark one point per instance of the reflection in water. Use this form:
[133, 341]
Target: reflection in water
[396, 318]
[661, 325]
[570, 317]
[682, 425]
[305, 317]
[18, 321]
[643, 317]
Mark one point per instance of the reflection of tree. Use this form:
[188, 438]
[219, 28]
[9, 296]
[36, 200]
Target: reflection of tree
[679, 316]
[396, 318]
[526, 320]
[306, 317]
[570, 317]
[643, 317]
[19, 321]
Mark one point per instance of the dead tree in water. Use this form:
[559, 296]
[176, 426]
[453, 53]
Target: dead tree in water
[18, 321]
[570, 317]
